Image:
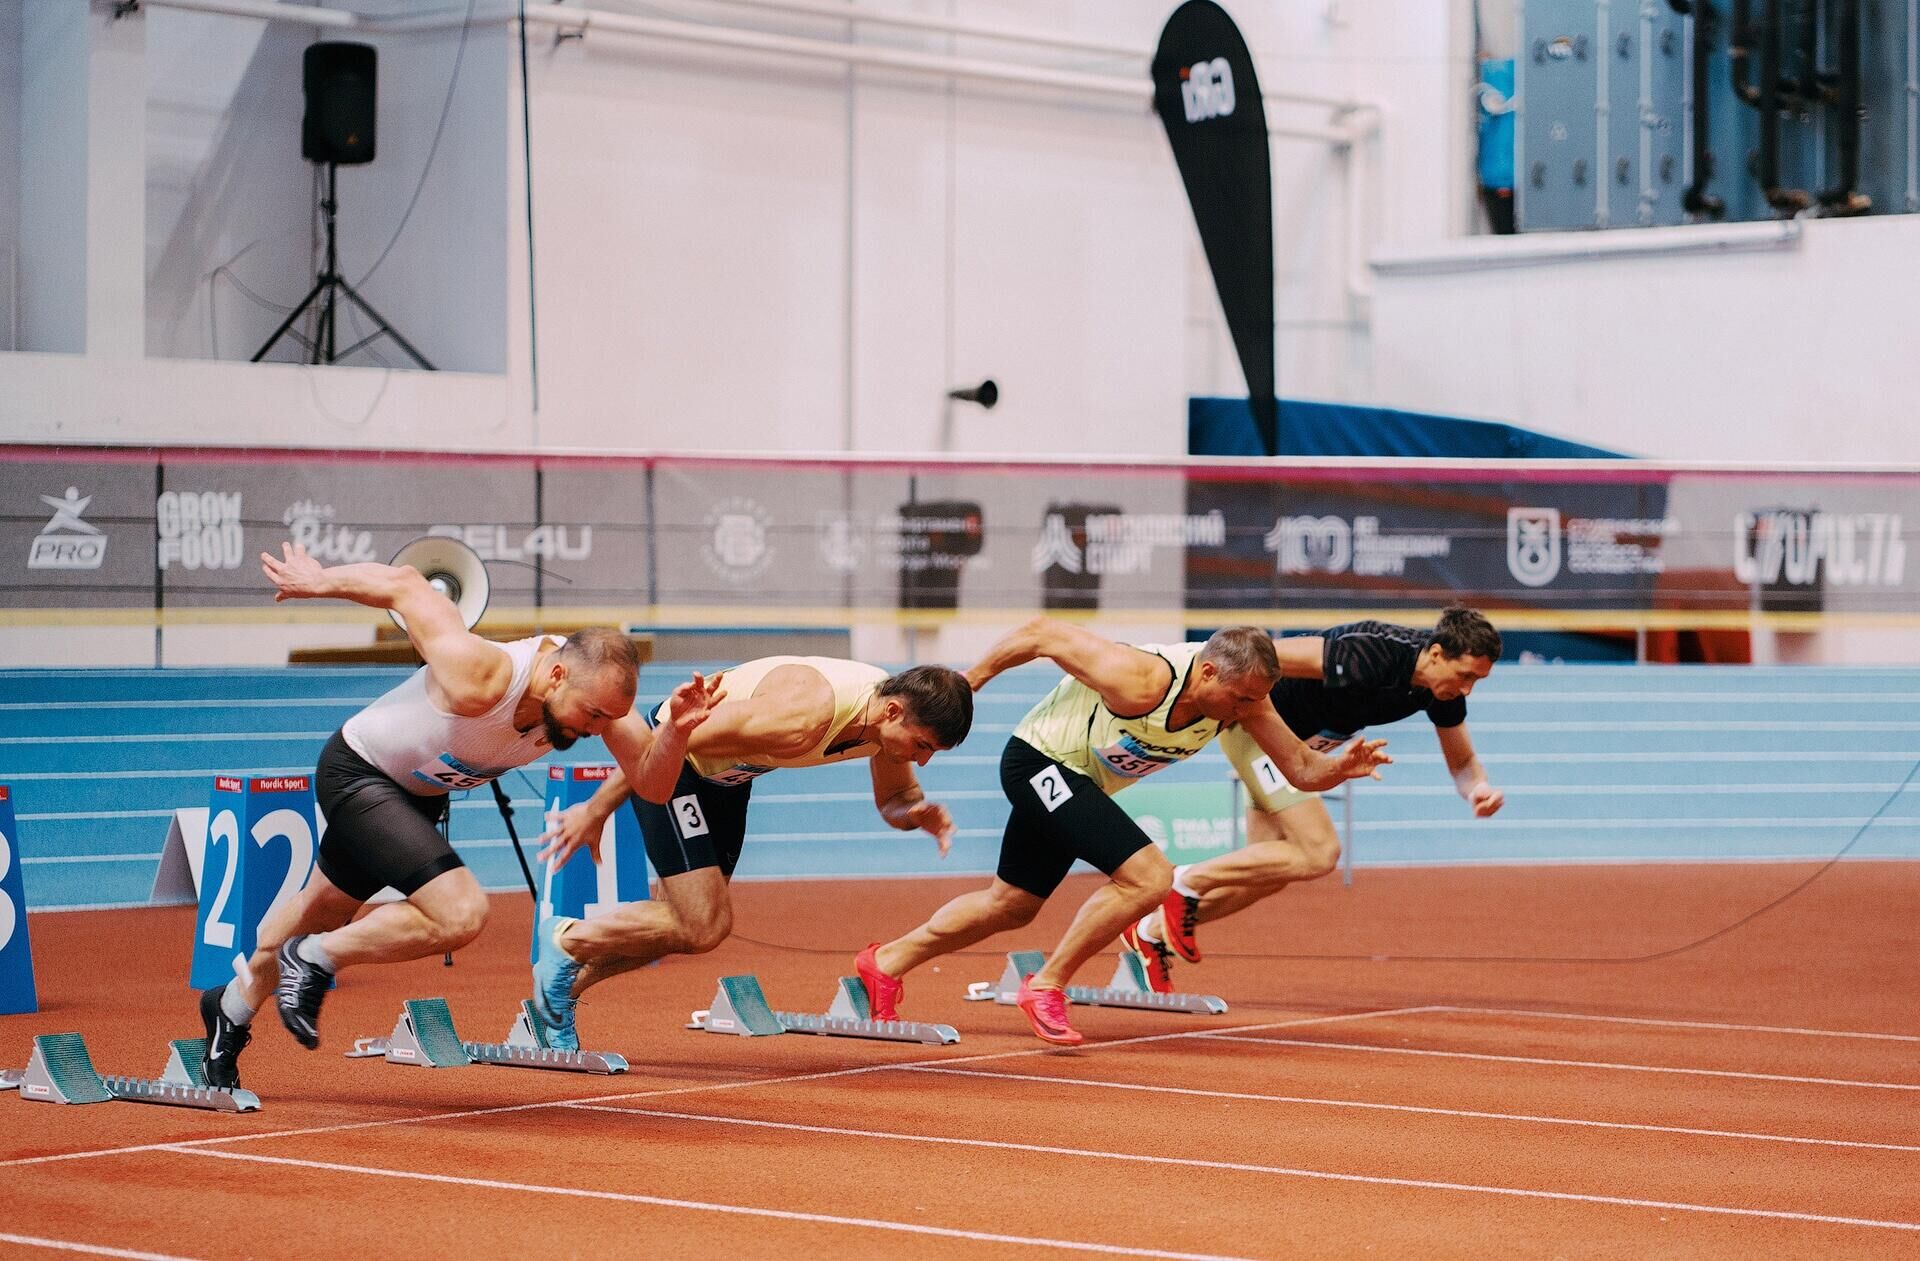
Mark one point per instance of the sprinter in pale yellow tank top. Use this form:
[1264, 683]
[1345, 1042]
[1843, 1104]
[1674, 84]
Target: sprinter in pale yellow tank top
[702, 759]
[1122, 714]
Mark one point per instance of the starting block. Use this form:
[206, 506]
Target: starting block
[424, 1036]
[740, 1007]
[1128, 988]
[61, 1071]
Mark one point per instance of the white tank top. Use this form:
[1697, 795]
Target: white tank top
[430, 752]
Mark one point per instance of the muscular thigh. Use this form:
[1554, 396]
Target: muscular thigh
[378, 833]
[1306, 826]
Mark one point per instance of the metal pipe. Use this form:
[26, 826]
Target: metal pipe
[1702, 28]
[1648, 119]
[579, 21]
[268, 10]
[1845, 198]
[1772, 69]
[1493, 252]
[1913, 105]
[948, 26]
[1602, 113]
[1346, 846]
[1012, 35]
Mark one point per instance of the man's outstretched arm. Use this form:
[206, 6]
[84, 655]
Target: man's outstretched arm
[471, 673]
[1128, 680]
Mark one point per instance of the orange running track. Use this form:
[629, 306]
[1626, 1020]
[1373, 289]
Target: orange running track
[1757, 1097]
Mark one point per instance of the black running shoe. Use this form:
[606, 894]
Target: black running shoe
[225, 1040]
[302, 986]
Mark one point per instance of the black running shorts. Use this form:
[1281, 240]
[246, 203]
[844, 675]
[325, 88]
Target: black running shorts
[378, 833]
[1058, 815]
[702, 825]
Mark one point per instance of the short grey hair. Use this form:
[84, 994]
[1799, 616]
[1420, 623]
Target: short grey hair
[1239, 652]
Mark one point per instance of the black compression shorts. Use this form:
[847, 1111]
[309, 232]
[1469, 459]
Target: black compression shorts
[378, 833]
[1058, 815]
[703, 824]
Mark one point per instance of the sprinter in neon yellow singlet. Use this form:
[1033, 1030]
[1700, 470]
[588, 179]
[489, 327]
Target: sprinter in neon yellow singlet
[1121, 715]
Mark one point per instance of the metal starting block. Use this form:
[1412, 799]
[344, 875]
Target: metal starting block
[740, 1007]
[424, 1036]
[1128, 988]
[61, 1070]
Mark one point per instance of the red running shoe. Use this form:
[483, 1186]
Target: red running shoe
[1047, 1013]
[1155, 959]
[1181, 915]
[883, 991]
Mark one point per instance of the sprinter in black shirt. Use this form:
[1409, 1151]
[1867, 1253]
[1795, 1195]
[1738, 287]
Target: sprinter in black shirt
[1332, 685]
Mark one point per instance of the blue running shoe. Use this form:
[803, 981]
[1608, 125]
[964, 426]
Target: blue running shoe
[554, 971]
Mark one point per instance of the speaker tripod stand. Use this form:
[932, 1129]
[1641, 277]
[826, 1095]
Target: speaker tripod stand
[327, 291]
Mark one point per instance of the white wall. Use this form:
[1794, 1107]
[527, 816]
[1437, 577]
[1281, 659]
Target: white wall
[9, 171]
[1796, 353]
[734, 249]
[232, 236]
[760, 253]
[52, 125]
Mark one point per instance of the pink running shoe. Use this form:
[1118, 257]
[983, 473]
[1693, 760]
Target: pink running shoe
[1047, 1013]
[1155, 959]
[1180, 916]
[883, 991]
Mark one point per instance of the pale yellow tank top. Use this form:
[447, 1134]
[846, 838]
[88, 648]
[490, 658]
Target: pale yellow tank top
[1074, 727]
[853, 686]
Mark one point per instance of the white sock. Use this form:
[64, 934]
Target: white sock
[313, 952]
[560, 927]
[233, 1005]
[1146, 928]
[1180, 885]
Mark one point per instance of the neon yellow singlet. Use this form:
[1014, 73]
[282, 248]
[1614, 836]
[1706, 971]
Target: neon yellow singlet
[1074, 727]
[853, 686]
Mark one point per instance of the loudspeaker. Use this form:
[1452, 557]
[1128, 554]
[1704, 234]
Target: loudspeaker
[338, 124]
[986, 394]
[451, 568]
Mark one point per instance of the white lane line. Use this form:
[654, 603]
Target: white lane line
[98, 1250]
[1686, 1024]
[700, 1089]
[1230, 1035]
[1231, 1166]
[703, 1206]
[1408, 1107]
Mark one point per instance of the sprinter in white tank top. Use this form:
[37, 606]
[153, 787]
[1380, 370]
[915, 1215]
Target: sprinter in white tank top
[475, 710]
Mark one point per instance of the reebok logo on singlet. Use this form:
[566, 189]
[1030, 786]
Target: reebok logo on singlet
[1135, 758]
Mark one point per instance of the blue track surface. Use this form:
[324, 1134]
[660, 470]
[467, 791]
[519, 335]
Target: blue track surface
[1599, 763]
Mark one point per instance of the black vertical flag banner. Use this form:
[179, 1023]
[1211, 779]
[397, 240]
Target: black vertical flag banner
[1208, 99]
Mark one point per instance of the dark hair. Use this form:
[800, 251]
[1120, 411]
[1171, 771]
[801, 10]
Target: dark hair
[939, 699]
[1240, 652]
[598, 649]
[1461, 632]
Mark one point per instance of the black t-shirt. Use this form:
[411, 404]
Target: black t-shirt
[1366, 673]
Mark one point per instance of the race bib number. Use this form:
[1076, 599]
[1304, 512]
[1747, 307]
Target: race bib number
[449, 772]
[1127, 757]
[688, 819]
[1051, 787]
[734, 776]
[1328, 741]
[1267, 776]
